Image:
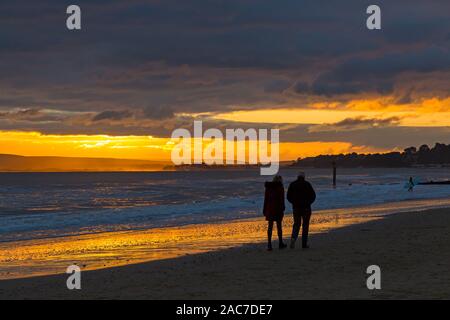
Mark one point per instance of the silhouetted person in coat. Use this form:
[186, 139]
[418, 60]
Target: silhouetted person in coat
[302, 195]
[274, 209]
[411, 184]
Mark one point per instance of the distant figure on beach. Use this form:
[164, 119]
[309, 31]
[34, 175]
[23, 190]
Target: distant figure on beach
[411, 184]
[274, 209]
[302, 195]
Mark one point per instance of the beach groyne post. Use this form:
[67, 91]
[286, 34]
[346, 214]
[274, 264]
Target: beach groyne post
[334, 174]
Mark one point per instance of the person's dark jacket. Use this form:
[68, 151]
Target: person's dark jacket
[274, 201]
[301, 194]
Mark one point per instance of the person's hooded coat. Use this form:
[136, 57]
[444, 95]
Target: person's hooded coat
[274, 205]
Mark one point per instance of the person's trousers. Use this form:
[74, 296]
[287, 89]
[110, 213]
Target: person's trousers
[279, 230]
[301, 216]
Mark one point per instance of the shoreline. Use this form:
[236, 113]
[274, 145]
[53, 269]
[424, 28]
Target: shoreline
[412, 249]
[96, 251]
[374, 208]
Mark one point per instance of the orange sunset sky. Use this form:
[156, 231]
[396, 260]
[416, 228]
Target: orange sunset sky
[118, 90]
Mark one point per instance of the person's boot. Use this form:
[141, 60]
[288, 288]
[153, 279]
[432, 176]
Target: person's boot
[305, 242]
[282, 245]
[292, 246]
[269, 247]
[305, 245]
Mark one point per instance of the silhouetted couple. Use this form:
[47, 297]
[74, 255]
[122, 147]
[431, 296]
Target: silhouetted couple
[301, 195]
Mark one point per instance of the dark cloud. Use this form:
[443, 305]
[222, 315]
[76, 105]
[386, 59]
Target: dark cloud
[379, 74]
[22, 114]
[20, 118]
[112, 115]
[158, 112]
[405, 97]
[277, 86]
[359, 123]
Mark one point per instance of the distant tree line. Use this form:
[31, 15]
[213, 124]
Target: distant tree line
[410, 157]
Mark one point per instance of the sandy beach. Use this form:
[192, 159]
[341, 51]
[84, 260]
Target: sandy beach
[411, 248]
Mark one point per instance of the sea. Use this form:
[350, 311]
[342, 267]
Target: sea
[46, 205]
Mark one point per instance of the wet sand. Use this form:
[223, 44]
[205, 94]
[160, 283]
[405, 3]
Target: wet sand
[30, 258]
[47, 256]
[412, 249]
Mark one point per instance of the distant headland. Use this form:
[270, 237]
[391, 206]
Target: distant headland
[424, 156]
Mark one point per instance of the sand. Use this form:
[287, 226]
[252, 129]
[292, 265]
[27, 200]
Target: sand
[412, 250]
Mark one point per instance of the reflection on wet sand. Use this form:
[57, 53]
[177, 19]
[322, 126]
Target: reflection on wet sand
[94, 251]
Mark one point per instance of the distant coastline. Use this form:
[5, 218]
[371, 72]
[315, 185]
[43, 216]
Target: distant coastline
[438, 156]
[412, 157]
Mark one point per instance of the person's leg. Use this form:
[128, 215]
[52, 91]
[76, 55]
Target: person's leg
[295, 228]
[305, 231]
[269, 235]
[280, 234]
[280, 231]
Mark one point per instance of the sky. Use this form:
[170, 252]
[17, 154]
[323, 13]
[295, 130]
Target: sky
[140, 69]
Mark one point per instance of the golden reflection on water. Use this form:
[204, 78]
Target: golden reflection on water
[51, 256]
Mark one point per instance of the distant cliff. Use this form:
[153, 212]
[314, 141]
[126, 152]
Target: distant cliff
[14, 163]
[439, 155]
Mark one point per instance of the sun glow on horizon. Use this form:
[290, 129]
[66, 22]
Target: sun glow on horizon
[138, 147]
[93, 146]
